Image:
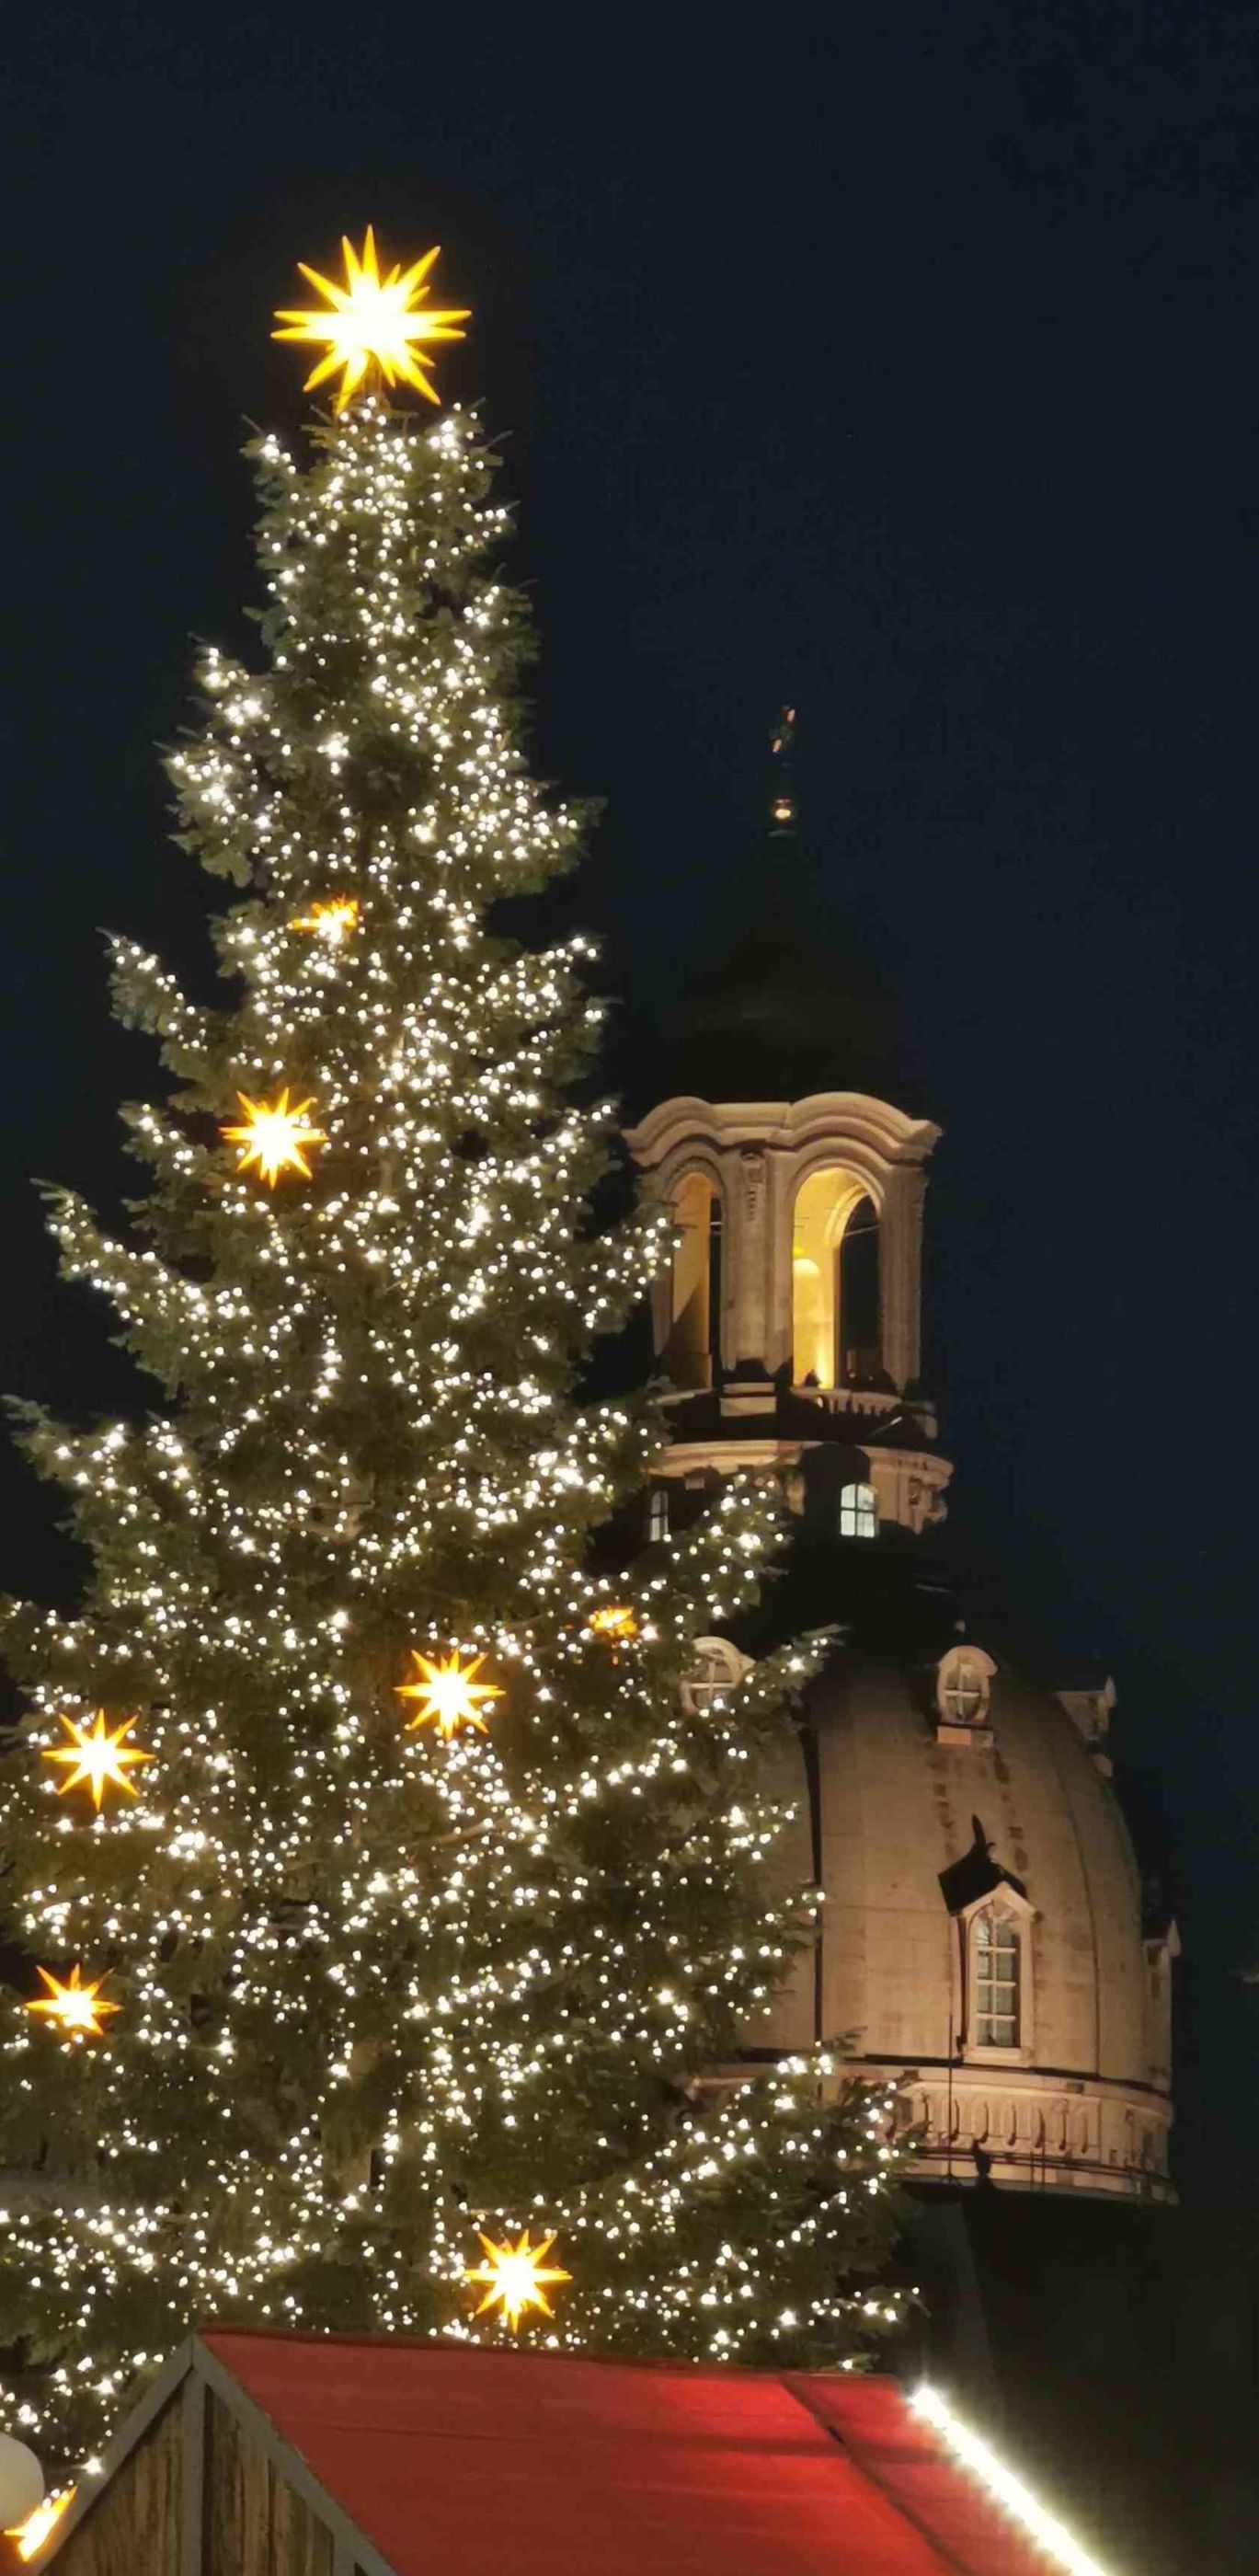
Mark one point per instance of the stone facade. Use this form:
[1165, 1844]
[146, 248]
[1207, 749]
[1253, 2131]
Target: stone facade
[981, 1939]
[923, 1828]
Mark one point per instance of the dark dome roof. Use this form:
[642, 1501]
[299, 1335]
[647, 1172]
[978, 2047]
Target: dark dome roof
[786, 1012]
[898, 1596]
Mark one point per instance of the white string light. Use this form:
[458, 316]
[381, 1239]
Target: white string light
[353, 1965]
[977, 2455]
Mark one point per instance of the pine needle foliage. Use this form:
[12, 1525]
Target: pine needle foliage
[378, 1987]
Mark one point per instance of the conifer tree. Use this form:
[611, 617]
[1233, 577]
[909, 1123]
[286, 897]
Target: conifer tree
[385, 1900]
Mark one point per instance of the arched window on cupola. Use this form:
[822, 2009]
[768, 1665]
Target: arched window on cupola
[860, 1347]
[836, 1332]
[692, 1353]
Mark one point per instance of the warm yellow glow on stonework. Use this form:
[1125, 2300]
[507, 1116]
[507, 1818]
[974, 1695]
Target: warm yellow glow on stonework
[450, 1692]
[75, 2008]
[274, 1137]
[97, 1760]
[517, 2277]
[824, 1203]
[373, 327]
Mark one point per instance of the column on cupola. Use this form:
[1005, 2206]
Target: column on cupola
[900, 1272]
[750, 1267]
[759, 1155]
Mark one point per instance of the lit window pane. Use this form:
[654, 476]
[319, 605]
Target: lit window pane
[995, 1959]
[858, 1512]
[965, 1692]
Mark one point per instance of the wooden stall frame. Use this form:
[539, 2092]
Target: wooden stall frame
[197, 2372]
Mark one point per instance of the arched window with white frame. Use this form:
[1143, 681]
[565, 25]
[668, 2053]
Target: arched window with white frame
[858, 1512]
[964, 1677]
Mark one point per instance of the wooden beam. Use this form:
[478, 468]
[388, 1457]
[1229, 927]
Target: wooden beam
[352, 2550]
[192, 2502]
[156, 2396]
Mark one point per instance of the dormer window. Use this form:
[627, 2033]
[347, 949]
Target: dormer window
[996, 1981]
[717, 1668]
[964, 1689]
[965, 1693]
[996, 1961]
[858, 1512]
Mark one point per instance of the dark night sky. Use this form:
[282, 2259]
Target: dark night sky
[906, 371]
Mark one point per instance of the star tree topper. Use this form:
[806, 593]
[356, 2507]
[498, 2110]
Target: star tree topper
[373, 327]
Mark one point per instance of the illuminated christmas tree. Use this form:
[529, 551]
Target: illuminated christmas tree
[384, 1898]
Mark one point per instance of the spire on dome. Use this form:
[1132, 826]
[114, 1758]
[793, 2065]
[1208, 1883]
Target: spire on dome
[782, 803]
[783, 1005]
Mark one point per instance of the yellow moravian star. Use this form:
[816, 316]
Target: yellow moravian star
[516, 2277]
[274, 1136]
[373, 325]
[334, 918]
[75, 2008]
[614, 1622]
[28, 2537]
[450, 1692]
[97, 1760]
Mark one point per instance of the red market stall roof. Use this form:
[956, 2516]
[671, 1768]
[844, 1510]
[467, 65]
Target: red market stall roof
[439, 2460]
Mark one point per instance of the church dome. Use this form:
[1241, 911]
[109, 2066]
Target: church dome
[980, 1943]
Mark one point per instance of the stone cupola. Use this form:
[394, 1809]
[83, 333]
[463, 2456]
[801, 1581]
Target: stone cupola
[982, 1941]
[791, 1314]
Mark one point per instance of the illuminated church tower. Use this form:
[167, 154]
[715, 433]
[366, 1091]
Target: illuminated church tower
[982, 1939]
